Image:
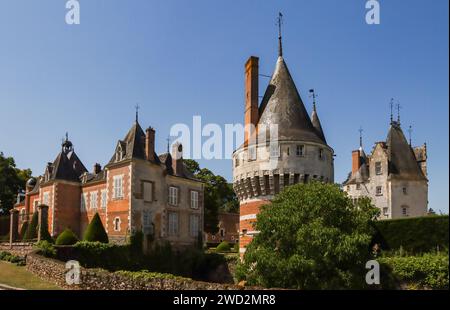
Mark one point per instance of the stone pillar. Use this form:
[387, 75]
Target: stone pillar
[13, 226]
[43, 213]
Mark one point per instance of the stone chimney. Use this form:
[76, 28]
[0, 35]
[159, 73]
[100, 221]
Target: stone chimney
[177, 158]
[251, 96]
[356, 161]
[150, 143]
[97, 168]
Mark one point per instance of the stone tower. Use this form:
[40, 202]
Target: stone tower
[282, 145]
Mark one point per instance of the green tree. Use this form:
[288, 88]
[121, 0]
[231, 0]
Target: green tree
[95, 231]
[311, 237]
[12, 180]
[31, 232]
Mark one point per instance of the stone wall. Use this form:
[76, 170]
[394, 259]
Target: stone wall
[18, 248]
[97, 279]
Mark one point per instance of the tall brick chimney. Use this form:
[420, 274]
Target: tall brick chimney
[356, 161]
[97, 168]
[251, 95]
[177, 159]
[150, 143]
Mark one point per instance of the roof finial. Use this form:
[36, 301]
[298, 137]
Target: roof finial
[168, 144]
[410, 134]
[398, 113]
[280, 44]
[67, 136]
[392, 107]
[360, 136]
[313, 95]
[137, 107]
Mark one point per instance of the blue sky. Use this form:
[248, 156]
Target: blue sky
[185, 58]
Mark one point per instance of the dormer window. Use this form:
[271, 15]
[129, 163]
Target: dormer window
[119, 153]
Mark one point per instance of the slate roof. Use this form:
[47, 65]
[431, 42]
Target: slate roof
[67, 166]
[402, 160]
[282, 105]
[316, 124]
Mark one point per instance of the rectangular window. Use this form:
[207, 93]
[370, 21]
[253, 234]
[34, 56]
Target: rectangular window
[93, 201]
[147, 226]
[300, 150]
[274, 150]
[378, 169]
[194, 199]
[236, 162]
[378, 191]
[103, 199]
[405, 211]
[118, 187]
[320, 153]
[173, 196]
[358, 186]
[46, 199]
[385, 211]
[405, 191]
[252, 153]
[173, 224]
[83, 203]
[194, 225]
[148, 191]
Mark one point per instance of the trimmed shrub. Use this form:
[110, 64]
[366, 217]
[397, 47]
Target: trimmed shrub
[23, 229]
[45, 235]
[223, 247]
[427, 271]
[31, 232]
[415, 235]
[67, 237]
[45, 248]
[95, 231]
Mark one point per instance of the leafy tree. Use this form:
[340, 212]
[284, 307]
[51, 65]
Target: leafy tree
[12, 180]
[95, 231]
[311, 237]
[67, 237]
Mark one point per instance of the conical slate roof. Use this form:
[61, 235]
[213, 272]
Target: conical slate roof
[282, 105]
[316, 124]
[402, 161]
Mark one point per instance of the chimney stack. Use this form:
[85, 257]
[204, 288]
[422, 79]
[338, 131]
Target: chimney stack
[177, 158]
[251, 96]
[97, 168]
[356, 161]
[150, 144]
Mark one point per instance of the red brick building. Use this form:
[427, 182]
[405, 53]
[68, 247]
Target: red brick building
[228, 229]
[136, 190]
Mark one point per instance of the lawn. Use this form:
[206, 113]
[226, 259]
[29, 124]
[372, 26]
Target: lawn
[20, 277]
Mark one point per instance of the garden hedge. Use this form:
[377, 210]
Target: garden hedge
[416, 235]
[67, 237]
[95, 231]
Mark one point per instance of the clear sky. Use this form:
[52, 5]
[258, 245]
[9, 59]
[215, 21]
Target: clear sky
[185, 58]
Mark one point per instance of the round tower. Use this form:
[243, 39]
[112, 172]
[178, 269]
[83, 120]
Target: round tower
[285, 146]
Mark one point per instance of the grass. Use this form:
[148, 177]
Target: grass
[20, 277]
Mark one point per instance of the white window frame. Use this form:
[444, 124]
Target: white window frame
[103, 198]
[118, 186]
[173, 224]
[274, 150]
[119, 221]
[46, 198]
[194, 225]
[194, 199]
[252, 153]
[93, 200]
[83, 205]
[147, 189]
[173, 195]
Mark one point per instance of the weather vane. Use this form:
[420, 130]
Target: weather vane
[360, 135]
[410, 134]
[313, 95]
[279, 23]
[392, 108]
[137, 107]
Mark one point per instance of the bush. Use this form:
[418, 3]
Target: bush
[67, 237]
[45, 248]
[236, 247]
[312, 236]
[223, 247]
[95, 231]
[427, 271]
[414, 235]
[31, 232]
[136, 243]
[18, 260]
[102, 255]
[45, 235]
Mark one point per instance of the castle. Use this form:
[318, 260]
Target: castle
[394, 176]
[298, 152]
[136, 190]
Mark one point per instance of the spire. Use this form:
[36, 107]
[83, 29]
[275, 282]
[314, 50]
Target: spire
[168, 144]
[280, 43]
[313, 95]
[360, 136]
[391, 103]
[398, 113]
[315, 117]
[410, 133]
[137, 107]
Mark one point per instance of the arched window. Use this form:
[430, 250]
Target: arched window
[117, 224]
